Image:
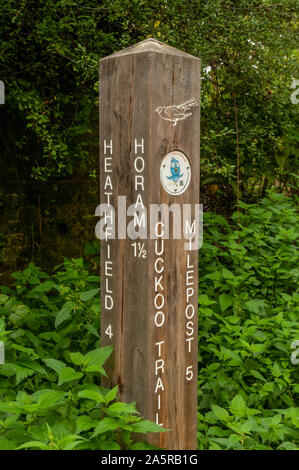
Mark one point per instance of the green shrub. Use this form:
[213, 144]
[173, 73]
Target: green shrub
[248, 318]
[50, 391]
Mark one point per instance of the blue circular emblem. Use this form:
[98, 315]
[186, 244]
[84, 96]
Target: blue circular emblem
[175, 172]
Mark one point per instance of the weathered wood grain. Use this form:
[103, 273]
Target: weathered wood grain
[133, 83]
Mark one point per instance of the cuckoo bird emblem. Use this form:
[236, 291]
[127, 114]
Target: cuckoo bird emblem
[178, 112]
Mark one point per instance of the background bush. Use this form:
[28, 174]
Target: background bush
[248, 317]
[50, 392]
[49, 63]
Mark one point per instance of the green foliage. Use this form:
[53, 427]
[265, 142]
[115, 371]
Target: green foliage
[49, 62]
[248, 318]
[50, 392]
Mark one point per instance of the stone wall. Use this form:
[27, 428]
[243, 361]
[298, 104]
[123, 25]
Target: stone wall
[44, 223]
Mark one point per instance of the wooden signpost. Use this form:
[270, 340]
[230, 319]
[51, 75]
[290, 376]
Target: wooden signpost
[149, 157]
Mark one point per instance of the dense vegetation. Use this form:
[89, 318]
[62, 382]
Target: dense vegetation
[50, 393]
[50, 390]
[49, 63]
[248, 318]
[248, 314]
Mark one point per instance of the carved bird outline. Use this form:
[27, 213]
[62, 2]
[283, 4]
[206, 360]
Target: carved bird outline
[177, 112]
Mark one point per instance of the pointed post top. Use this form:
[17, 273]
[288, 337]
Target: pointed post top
[150, 45]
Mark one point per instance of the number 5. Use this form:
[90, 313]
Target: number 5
[189, 373]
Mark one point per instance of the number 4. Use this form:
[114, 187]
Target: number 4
[109, 331]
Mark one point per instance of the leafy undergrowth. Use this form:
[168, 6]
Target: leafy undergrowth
[248, 320]
[50, 390]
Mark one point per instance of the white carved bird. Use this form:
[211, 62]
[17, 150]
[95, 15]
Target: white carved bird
[177, 112]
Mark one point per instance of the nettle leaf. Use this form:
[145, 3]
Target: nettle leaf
[235, 359]
[64, 313]
[92, 395]
[77, 358]
[85, 423]
[225, 301]
[39, 432]
[34, 339]
[33, 444]
[95, 359]
[67, 374]
[28, 351]
[220, 413]
[203, 299]
[276, 419]
[20, 372]
[21, 310]
[58, 430]
[223, 441]
[46, 286]
[11, 407]
[92, 330]
[105, 425]
[287, 445]
[227, 274]
[54, 364]
[111, 395]
[63, 436]
[276, 370]
[255, 305]
[147, 426]
[256, 374]
[7, 444]
[30, 364]
[3, 298]
[238, 406]
[89, 294]
[249, 425]
[122, 408]
[65, 443]
[257, 348]
[50, 398]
